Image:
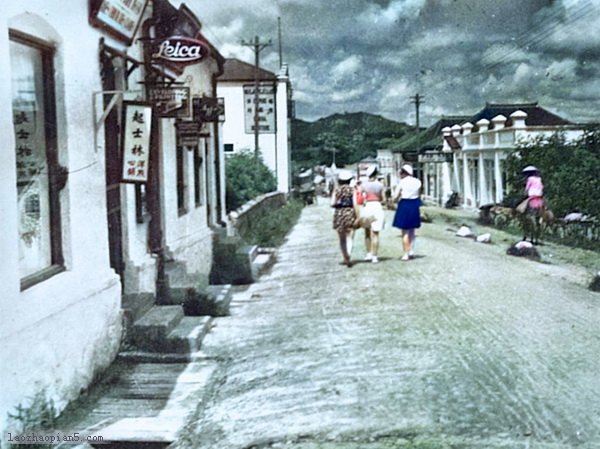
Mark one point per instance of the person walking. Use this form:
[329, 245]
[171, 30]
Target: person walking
[408, 215]
[344, 215]
[372, 213]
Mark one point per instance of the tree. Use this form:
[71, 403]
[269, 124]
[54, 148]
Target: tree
[247, 178]
[569, 170]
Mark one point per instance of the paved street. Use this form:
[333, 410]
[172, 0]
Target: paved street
[463, 347]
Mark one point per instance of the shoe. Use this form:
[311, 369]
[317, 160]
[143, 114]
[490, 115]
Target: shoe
[405, 257]
[374, 259]
[411, 254]
[369, 256]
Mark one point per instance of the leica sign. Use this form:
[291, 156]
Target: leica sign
[182, 49]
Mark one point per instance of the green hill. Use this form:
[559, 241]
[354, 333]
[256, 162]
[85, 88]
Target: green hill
[353, 136]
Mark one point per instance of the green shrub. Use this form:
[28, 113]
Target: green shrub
[37, 418]
[247, 177]
[569, 172]
[269, 229]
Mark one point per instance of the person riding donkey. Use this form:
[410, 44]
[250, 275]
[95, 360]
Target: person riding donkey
[533, 211]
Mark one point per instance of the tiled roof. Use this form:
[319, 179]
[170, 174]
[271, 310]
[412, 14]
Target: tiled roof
[236, 70]
[536, 115]
[431, 138]
[452, 142]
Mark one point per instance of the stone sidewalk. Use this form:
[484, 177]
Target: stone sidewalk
[463, 347]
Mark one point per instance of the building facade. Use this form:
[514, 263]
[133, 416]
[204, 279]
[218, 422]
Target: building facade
[470, 157]
[237, 87]
[113, 185]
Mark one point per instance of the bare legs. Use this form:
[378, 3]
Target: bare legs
[408, 239]
[371, 245]
[346, 246]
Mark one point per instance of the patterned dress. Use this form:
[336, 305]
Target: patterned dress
[344, 215]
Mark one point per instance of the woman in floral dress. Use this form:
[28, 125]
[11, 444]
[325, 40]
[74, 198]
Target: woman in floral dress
[344, 215]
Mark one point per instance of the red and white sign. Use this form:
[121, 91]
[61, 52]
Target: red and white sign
[182, 49]
[136, 141]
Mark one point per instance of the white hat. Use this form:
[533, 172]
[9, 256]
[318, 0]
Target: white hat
[345, 175]
[408, 169]
[371, 170]
[530, 168]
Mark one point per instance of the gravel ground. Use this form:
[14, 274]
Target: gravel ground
[462, 347]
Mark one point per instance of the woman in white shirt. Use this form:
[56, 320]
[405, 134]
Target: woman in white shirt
[408, 216]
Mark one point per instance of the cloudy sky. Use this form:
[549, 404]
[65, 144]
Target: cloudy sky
[374, 55]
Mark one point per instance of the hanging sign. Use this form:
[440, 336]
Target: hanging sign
[120, 18]
[188, 133]
[136, 141]
[208, 109]
[170, 101]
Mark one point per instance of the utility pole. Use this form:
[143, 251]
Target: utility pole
[279, 39]
[257, 46]
[417, 100]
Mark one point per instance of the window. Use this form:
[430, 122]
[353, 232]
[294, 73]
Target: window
[181, 184]
[228, 148]
[39, 177]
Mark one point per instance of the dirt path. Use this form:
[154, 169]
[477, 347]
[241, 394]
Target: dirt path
[462, 347]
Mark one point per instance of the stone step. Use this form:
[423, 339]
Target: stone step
[215, 302]
[151, 331]
[184, 339]
[144, 405]
[263, 260]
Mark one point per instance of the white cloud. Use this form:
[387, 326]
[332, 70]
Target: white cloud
[348, 66]
[347, 95]
[562, 70]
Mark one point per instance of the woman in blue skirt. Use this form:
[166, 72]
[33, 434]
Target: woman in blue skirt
[408, 216]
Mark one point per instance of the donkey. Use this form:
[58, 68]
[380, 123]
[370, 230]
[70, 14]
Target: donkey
[534, 222]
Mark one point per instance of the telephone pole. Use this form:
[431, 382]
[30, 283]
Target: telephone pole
[417, 100]
[257, 46]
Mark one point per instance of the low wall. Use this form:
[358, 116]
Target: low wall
[232, 255]
[241, 218]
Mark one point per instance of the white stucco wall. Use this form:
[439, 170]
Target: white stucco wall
[283, 137]
[56, 335]
[234, 126]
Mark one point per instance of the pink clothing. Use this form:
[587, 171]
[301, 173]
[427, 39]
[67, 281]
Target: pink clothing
[535, 191]
[373, 190]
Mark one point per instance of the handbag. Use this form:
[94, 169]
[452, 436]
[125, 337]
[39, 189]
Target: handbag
[522, 206]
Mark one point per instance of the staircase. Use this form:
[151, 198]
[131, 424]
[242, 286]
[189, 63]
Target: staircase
[157, 380]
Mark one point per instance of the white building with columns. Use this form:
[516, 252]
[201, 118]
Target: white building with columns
[480, 145]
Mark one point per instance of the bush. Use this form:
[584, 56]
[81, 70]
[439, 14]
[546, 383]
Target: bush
[247, 177]
[569, 172]
[270, 228]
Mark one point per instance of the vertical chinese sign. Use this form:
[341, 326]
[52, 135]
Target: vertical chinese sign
[136, 141]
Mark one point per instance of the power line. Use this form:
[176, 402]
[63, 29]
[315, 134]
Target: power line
[528, 40]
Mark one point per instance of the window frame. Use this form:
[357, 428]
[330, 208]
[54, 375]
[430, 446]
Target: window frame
[57, 175]
[181, 179]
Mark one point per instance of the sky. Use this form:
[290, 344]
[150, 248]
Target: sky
[375, 55]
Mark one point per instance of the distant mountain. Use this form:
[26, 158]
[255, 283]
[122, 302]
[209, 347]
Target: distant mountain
[353, 136]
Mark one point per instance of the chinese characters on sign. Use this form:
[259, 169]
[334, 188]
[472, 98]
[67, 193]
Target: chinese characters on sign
[28, 164]
[266, 108]
[136, 142]
[170, 101]
[121, 17]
